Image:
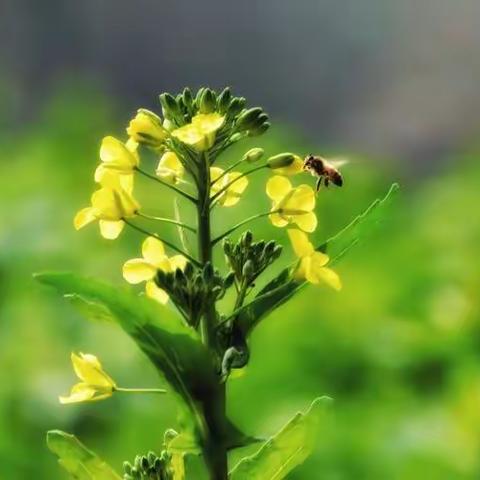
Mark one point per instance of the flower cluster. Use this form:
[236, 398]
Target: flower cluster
[150, 467]
[187, 141]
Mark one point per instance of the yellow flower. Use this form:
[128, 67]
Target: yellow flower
[95, 383]
[200, 133]
[170, 168]
[232, 194]
[144, 269]
[147, 128]
[312, 263]
[109, 205]
[117, 156]
[291, 205]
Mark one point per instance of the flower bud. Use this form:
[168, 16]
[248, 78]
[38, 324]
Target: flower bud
[224, 100]
[281, 160]
[208, 101]
[229, 279]
[208, 272]
[260, 130]
[147, 128]
[247, 239]
[248, 119]
[170, 106]
[248, 270]
[253, 155]
[187, 98]
[236, 106]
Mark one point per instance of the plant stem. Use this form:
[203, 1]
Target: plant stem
[166, 242]
[240, 224]
[139, 390]
[166, 184]
[166, 220]
[215, 449]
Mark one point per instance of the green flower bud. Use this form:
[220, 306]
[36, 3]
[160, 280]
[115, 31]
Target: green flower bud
[248, 270]
[281, 160]
[180, 276]
[145, 463]
[248, 119]
[260, 130]
[229, 279]
[224, 100]
[236, 106]
[208, 272]
[253, 155]
[127, 468]
[269, 248]
[199, 96]
[236, 137]
[170, 106]
[208, 101]
[277, 251]
[247, 238]
[188, 271]
[187, 98]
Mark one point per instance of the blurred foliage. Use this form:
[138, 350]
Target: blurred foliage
[398, 349]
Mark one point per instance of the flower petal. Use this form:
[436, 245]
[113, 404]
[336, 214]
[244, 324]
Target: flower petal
[155, 292]
[170, 168]
[138, 270]
[116, 155]
[88, 368]
[84, 217]
[177, 261]
[300, 243]
[109, 229]
[81, 392]
[303, 198]
[278, 220]
[325, 275]
[306, 221]
[153, 251]
[208, 122]
[278, 187]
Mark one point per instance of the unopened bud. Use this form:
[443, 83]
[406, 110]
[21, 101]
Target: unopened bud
[281, 160]
[208, 272]
[248, 119]
[253, 155]
[208, 101]
[236, 106]
[187, 98]
[169, 105]
[224, 100]
[248, 270]
[229, 279]
[247, 238]
[147, 128]
[260, 130]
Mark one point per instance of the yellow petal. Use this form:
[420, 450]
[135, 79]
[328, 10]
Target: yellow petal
[208, 122]
[88, 368]
[138, 270]
[105, 205]
[193, 136]
[110, 229]
[177, 261]
[322, 274]
[278, 187]
[278, 220]
[155, 292]
[116, 155]
[234, 192]
[147, 127]
[301, 271]
[81, 392]
[306, 221]
[84, 217]
[215, 172]
[153, 251]
[170, 168]
[302, 198]
[300, 243]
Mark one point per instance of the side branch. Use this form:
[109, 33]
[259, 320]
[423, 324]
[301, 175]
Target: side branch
[167, 220]
[166, 242]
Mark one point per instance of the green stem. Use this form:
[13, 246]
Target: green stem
[240, 224]
[227, 170]
[166, 242]
[139, 390]
[228, 185]
[166, 184]
[166, 220]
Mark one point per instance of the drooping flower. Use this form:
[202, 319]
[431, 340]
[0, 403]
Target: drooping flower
[95, 383]
[144, 269]
[112, 203]
[312, 267]
[170, 169]
[233, 193]
[291, 205]
[147, 128]
[117, 156]
[200, 133]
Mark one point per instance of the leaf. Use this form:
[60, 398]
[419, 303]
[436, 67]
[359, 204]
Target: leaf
[282, 287]
[80, 462]
[290, 447]
[174, 348]
[91, 310]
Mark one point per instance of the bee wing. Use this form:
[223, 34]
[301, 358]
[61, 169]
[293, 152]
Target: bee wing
[338, 162]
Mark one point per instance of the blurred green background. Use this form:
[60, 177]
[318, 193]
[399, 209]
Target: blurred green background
[398, 349]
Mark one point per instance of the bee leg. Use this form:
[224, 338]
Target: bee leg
[327, 182]
[319, 184]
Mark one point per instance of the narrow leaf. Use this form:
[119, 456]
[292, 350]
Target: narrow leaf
[80, 462]
[286, 450]
[180, 229]
[282, 287]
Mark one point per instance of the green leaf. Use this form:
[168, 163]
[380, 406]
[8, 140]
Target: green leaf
[282, 287]
[286, 450]
[80, 462]
[91, 310]
[174, 348]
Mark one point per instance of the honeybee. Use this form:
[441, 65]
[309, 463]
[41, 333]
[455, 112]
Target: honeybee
[326, 171]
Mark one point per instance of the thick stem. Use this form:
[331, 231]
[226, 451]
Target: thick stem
[216, 451]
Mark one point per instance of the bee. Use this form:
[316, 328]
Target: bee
[326, 171]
